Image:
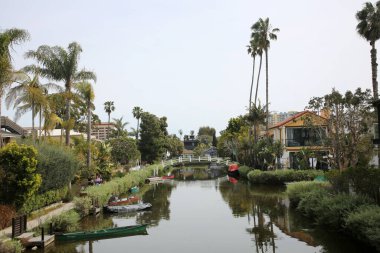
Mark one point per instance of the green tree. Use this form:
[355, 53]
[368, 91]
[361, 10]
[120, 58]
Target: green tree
[124, 150]
[57, 166]
[174, 145]
[263, 33]
[8, 39]
[19, 179]
[348, 126]
[119, 130]
[152, 137]
[103, 159]
[108, 108]
[369, 28]
[87, 95]
[59, 64]
[137, 111]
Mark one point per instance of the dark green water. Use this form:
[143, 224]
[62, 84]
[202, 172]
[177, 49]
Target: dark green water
[213, 215]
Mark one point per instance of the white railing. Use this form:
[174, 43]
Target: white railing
[192, 159]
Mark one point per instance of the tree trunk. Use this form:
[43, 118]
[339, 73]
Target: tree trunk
[33, 128]
[374, 71]
[68, 90]
[109, 121]
[266, 89]
[253, 77]
[258, 79]
[137, 129]
[88, 135]
[40, 125]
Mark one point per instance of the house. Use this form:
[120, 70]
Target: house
[190, 142]
[302, 133]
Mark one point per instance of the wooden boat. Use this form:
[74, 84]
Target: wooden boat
[103, 233]
[153, 179]
[124, 201]
[128, 208]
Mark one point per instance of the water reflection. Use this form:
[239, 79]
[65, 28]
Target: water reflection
[269, 217]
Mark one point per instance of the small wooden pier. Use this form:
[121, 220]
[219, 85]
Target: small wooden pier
[28, 241]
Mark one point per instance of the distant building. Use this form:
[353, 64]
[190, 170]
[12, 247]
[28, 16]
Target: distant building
[277, 117]
[189, 142]
[101, 130]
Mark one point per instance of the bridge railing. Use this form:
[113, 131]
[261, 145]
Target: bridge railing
[195, 159]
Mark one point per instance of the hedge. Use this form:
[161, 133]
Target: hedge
[244, 170]
[41, 200]
[296, 190]
[279, 177]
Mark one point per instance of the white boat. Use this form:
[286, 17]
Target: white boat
[128, 208]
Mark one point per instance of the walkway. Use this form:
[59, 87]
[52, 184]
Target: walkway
[37, 221]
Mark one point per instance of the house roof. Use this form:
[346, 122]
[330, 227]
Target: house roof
[294, 117]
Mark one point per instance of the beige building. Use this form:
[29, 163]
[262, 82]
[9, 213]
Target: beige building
[277, 117]
[101, 131]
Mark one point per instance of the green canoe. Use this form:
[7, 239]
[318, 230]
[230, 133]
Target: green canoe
[103, 234]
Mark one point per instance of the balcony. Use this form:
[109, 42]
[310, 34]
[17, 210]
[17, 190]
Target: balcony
[299, 142]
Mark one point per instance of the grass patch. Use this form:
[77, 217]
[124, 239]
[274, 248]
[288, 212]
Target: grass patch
[10, 246]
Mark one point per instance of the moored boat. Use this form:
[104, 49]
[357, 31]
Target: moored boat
[233, 170]
[103, 233]
[124, 201]
[168, 177]
[128, 208]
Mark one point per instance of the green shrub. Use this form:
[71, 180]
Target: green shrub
[83, 205]
[41, 200]
[278, 177]
[364, 224]
[296, 190]
[330, 210]
[18, 176]
[244, 170]
[65, 222]
[10, 246]
[57, 166]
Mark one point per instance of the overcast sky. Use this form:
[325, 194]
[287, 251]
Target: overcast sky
[187, 59]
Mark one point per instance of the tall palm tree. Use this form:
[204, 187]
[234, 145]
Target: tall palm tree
[369, 28]
[59, 64]
[109, 107]
[137, 111]
[29, 95]
[86, 93]
[8, 39]
[263, 32]
[252, 51]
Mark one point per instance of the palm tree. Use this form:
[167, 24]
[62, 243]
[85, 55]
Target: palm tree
[262, 31]
[180, 133]
[59, 64]
[29, 95]
[8, 39]
[109, 107]
[86, 93]
[252, 51]
[119, 128]
[137, 111]
[369, 28]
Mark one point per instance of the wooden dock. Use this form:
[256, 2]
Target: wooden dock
[28, 241]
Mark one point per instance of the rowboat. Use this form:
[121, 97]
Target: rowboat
[103, 233]
[168, 177]
[128, 208]
[124, 201]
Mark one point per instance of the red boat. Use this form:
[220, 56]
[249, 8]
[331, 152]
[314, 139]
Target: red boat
[168, 177]
[124, 201]
[233, 170]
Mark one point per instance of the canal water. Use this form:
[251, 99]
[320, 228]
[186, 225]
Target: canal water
[204, 211]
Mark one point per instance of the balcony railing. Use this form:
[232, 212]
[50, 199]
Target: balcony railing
[302, 142]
